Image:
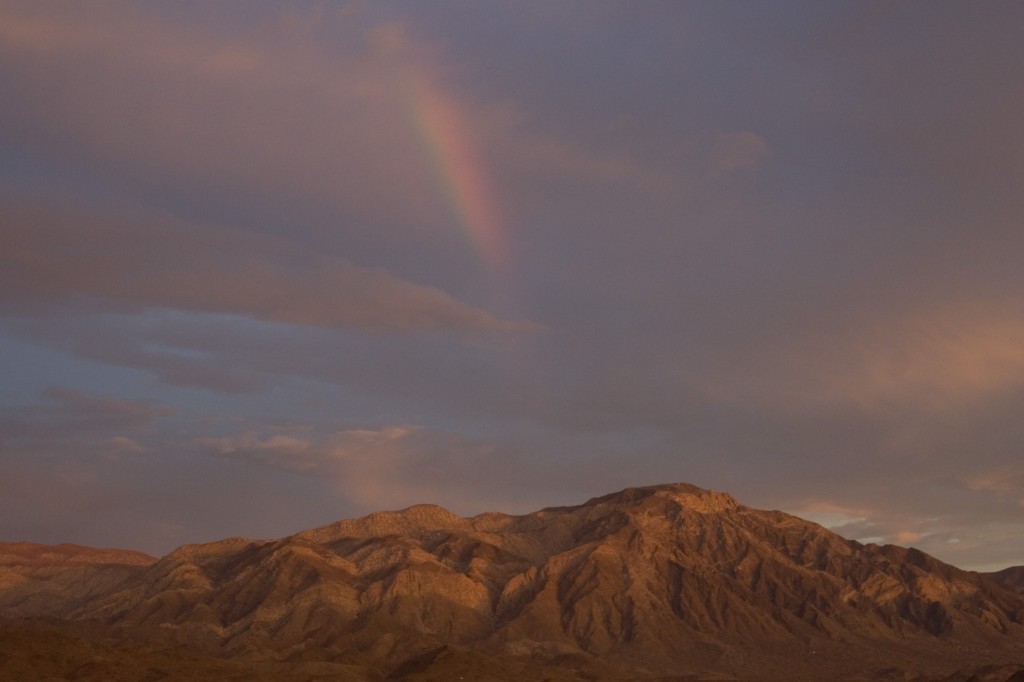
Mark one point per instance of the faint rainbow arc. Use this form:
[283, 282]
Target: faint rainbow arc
[463, 175]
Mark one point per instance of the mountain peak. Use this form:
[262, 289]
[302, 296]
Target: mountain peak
[415, 519]
[639, 584]
[688, 496]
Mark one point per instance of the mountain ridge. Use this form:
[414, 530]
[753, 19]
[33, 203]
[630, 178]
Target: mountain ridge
[645, 582]
[1012, 575]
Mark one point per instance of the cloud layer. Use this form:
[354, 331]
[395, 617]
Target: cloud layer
[120, 260]
[262, 268]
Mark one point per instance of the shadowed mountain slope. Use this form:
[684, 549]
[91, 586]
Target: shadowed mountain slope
[1014, 576]
[647, 583]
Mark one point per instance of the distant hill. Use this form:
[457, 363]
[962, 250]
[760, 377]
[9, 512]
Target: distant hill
[654, 583]
[43, 579]
[1013, 575]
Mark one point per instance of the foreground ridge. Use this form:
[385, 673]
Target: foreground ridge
[644, 583]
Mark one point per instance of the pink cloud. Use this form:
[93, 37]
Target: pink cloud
[946, 355]
[1005, 481]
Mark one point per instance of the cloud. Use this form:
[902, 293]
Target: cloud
[947, 355]
[64, 460]
[122, 444]
[731, 152]
[93, 422]
[886, 525]
[840, 325]
[125, 258]
[1001, 482]
[263, 108]
[392, 466]
[279, 451]
[906, 422]
[234, 355]
[554, 157]
[106, 471]
[386, 467]
[954, 356]
[315, 104]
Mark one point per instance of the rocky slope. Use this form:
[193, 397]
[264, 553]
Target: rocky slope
[648, 583]
[41, 579]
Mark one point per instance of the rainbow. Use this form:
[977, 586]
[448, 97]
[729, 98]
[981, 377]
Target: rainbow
[465, 180]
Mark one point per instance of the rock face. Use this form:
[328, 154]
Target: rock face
[647, 583]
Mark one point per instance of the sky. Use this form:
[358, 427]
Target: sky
[267, 265]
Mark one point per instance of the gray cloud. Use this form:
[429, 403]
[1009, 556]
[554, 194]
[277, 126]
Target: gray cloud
[736, 151]
[773, 252]
[70, 414]
[126, 258]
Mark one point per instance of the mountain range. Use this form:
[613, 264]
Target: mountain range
[668, 582]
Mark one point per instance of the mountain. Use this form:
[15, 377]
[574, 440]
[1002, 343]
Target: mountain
[1014, 576]
[655, 583]
[37, 579]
